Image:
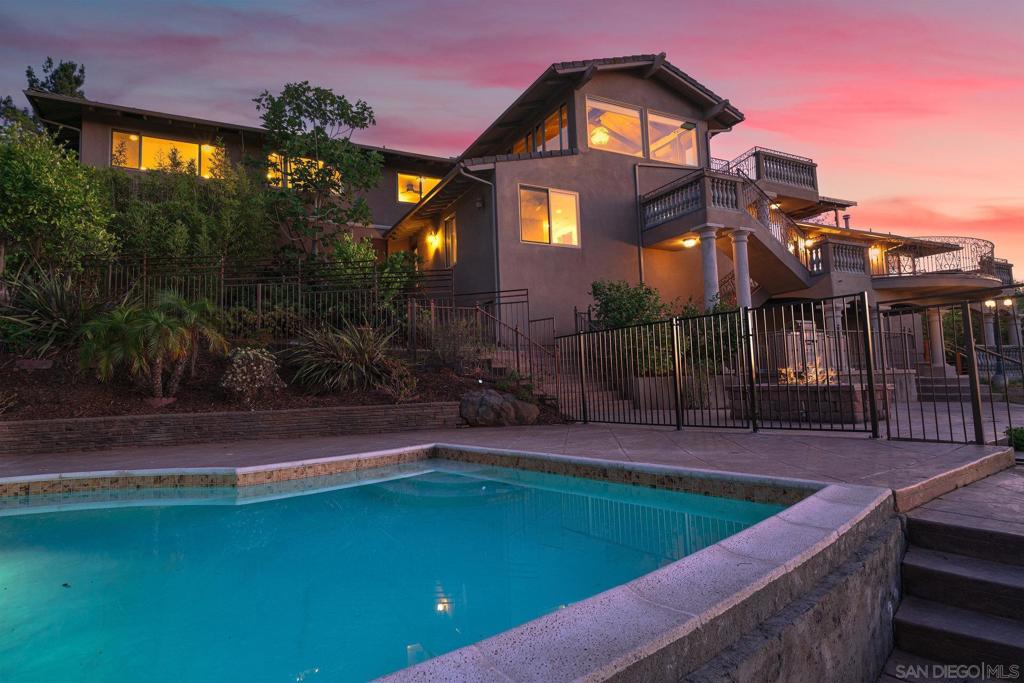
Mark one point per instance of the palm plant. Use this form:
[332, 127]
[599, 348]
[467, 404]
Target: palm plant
[165, 339]
[111, 340]
[202, 323]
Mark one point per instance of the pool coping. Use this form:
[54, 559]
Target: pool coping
[664, 623]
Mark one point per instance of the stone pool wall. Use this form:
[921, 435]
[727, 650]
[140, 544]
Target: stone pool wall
[171, 429]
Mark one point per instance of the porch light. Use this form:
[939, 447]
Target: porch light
[434, 240]
[875, 251]
[775, 206]
[1008, 302]
[990, 304]
[808, 243]
[689, 242]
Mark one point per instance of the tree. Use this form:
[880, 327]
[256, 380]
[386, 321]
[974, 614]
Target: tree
[52, 209]
[65, 78]
[310, 128]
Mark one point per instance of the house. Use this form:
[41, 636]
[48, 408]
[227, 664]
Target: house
[601, 168]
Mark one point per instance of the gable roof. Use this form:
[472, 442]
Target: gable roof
[560, 74]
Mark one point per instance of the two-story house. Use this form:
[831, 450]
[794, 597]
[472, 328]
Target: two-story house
[600, 169]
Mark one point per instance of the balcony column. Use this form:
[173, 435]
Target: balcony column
[709, 262]
[741, 266]
[990, 328]
[935, 345]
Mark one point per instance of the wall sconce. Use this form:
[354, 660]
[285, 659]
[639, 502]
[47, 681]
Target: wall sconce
[434, 240]
[775, 206]
[1008, 303]
[875, 251]
[689, 242]
[990, 304]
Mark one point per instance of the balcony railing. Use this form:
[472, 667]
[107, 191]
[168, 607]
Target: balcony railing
[761, 163]
[962, 255]
[693, 192]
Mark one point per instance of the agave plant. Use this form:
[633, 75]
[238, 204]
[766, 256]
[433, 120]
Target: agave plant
[352, 357]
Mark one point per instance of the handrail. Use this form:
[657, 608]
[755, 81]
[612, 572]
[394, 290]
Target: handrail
[515, 330]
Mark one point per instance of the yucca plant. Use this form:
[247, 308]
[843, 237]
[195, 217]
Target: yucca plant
[46, 312]
[350, 358]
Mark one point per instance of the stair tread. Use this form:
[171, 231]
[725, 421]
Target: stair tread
[960, 622]
[968, 568]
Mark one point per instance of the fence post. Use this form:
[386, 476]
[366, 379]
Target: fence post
[869, 362]
[747, 351]
[677, 374]
[410, 305]
[972, 373]
[519, 371]
[583, 381]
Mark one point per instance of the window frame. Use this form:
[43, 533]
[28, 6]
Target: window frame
[450, 240]
[421, 177]
[200, 172]
[647, 133]
[548, 191]
[643, 125]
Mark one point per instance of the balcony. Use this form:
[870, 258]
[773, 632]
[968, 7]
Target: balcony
[777, 172]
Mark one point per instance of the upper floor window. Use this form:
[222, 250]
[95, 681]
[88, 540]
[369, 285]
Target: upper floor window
[548, 216]
[551, 135]
[614, 128]
[672, 140]
[293, 172]
[413, 188]
[146, 152]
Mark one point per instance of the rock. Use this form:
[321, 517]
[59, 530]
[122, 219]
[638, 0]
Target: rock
[489, 408]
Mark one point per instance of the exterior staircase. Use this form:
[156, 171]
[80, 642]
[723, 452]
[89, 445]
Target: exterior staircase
[963, 583]
[941, 385]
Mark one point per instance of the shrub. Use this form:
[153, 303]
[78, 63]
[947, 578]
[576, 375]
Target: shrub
[456, 345]
[400, 383]
[620, 304]
[46, 313]
[350, 358]
[251, 372]
[1016, 435]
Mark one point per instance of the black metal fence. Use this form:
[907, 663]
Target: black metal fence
[944, 373]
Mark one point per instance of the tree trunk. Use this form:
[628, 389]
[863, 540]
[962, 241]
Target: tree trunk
[192, 363]
[156, 377]
[175, 380]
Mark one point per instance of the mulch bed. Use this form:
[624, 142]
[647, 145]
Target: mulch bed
[63, 392]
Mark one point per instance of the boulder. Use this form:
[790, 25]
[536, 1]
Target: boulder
[490, 408]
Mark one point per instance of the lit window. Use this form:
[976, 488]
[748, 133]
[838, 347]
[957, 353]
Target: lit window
[450, 243]
[275, 169]
[552, 133]
[672, 140]
[124, 150]
[169, 155]
[614, 128]
[549, 216]
[413, 188]
[144, 152]
[519, 147]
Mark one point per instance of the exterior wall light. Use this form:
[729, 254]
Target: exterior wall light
[689, 242]
[990, 304]
[775, 206]
[1008, 302]
[434, 240]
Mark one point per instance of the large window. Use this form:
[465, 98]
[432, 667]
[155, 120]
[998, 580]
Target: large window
[413, 188]
[551, 135]
[672, 140]
[146, 152]
[614, 128]
[549, 216]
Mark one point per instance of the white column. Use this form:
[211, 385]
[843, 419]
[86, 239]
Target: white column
[935, 346]
[709, 262]
[1014, 324]
[990, 328]
[741, 266]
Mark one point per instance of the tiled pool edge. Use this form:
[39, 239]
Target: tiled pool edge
[662, 624]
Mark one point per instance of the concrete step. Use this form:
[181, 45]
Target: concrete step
[958, 636]
[903, 667]
[983, 539]
[980, 585]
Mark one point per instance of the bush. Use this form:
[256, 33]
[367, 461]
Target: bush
[1016, 435]
[352, 358]
[251, 372]
[620, 304]
[400, 384]
[456, 345]
[46, 313]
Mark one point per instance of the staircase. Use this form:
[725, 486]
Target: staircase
[941, 385]
[963, 583]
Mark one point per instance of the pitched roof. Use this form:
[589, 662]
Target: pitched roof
[66, 110]
[560, 74]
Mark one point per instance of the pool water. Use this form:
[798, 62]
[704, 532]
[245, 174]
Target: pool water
[344, 583]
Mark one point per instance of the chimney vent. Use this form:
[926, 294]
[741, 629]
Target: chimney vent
[846, 220]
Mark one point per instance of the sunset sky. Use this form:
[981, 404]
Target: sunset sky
[913, 108]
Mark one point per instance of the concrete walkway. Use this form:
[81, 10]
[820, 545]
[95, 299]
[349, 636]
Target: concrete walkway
[917, 472]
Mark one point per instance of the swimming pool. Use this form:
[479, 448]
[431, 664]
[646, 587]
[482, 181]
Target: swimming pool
[369, 573]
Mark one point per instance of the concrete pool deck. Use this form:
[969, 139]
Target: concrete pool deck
[916, 472]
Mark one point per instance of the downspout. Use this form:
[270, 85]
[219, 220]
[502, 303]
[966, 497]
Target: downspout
[494, 220]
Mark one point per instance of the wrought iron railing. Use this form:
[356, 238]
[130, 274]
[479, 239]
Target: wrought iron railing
[938, 255]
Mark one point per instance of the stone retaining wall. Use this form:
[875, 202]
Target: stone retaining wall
[92, 433]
